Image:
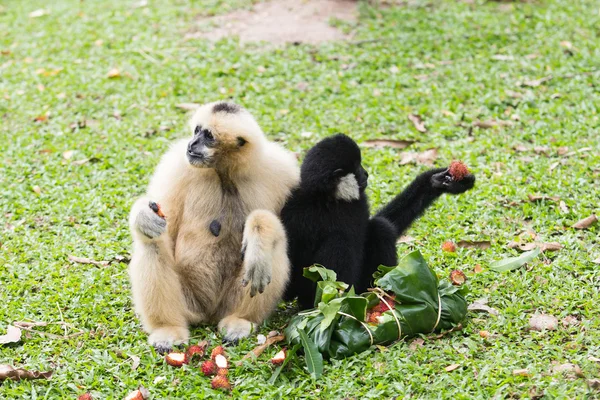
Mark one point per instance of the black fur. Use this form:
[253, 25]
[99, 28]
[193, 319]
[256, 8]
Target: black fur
[229, 108]
[339, 234]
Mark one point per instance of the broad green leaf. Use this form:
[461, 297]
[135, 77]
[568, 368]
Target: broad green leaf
[511, 263]
[314, 359]
[317, 273]
[329, 311]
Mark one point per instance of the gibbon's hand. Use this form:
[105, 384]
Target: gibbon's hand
[257, 273]
[149, 223]
[443, 181]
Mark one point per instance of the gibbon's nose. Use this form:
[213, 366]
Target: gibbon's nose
[195, 148]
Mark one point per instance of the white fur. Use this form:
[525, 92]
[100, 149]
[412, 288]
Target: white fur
[347, 188]
[176, 272]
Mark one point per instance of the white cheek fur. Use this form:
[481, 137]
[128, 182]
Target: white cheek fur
[347, 188]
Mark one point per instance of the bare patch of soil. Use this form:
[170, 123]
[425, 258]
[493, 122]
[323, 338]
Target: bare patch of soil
[281, 21]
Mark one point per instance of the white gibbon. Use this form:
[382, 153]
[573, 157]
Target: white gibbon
[220, 253]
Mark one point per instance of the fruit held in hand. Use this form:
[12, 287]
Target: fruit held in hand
[449, 247]
[220, 382]
[156, 208]
[279, 358]
[457, 277]
[458, 170]
[176, 359]
[216, 351]
[209, 368]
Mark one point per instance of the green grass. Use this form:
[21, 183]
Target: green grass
[82, 209]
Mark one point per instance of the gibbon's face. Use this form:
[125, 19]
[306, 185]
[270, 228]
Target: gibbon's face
[221, 136]
[351, 183]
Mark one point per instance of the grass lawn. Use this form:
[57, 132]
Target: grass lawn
[68, 180]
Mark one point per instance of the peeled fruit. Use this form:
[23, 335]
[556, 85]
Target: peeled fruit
[216, 351]
[220, 382]
[140, 394]
[279, 358]
[457, 277]
[458, 170]
[209, 368]
[221, 361]
[449, 247]
[176, 359]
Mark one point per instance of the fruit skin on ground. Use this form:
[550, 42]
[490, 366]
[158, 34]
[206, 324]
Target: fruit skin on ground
[176, 359]
[216, 351]
[220, 382]
[279, 358]
[209, 368]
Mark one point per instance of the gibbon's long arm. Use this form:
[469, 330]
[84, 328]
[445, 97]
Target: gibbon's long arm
[409, 205]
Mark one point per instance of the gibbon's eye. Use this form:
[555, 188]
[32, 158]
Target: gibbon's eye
[197, 130]
[208, 135]
[241, 141]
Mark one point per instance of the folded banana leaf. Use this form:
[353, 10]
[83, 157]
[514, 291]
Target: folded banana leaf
[407, 300]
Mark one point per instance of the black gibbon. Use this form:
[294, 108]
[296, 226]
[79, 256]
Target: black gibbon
[221, 192]
[327, 217]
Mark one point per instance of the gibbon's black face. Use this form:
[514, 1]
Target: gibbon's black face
[201, 149]
[334, 166]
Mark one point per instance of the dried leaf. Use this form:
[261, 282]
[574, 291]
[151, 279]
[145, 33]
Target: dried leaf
[38, 13]
[481, 305]
[491, 124]
[82, 260]
[563, 207]
[17, 374]
[596, 261]
[586, 222]
[570, 320]
[417, 122]
[418, 342]
[470, 244]
[594, 383]
[521, 372]
[396, 144]
[452, 367]
[502, 57]
[135, 362]
[534, 198]
[477, 269]
[114, 73]
[41, 118]
[188, 106]
[514, 95]
[536, 82]
[405, 239]
[594, 359]
[67, 154]
[258, 350]
[13, 335]
[568, 368]
[541, 322]
[36, 189]
[551, 246]
[426, 158]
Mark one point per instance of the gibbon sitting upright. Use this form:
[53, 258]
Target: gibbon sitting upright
[327, 217]
[219, 256]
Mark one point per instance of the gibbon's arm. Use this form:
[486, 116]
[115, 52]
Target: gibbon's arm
[420, 194]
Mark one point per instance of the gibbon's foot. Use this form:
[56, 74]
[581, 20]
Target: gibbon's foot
[445, 182]
[163, 339]
[149, 223]
[234, 328]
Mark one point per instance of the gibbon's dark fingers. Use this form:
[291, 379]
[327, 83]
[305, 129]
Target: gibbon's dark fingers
[149, 223]
[258, 275]
[443, 180]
